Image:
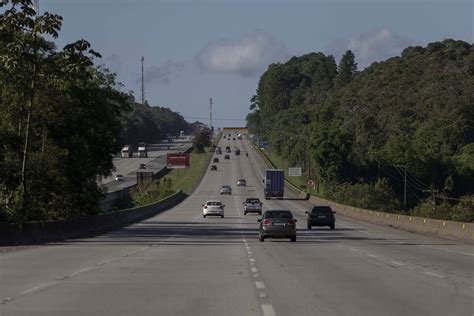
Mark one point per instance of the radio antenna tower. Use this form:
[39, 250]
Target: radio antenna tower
[143, 83]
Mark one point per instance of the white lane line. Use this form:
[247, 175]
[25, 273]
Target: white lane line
[254, 270]
[259, 285]
[397, 263]
[262, 295]
[251, 259]
[353, 249]
[434, 274]
[249, 252]
[268, 310]
[37, 288]
[79, 272]
[256, 275]
[371, 255]
[447, 250]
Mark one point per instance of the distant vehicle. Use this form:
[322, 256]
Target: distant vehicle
[214, 207]
[181, 133]
[252, 205]
[237, 152]
[274, 183]
[218, 151]
[142, 166]
[127, 151]
[227, 149]
[233, 138]
[320, 216]
[215, 159]
[277, 224]
[119, 177]
[241, 183]
[226, 189]
[239, 136]
[213, 168]
[225, 137]
[226, 157]
[142, 150]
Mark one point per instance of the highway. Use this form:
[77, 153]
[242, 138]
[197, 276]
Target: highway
[178, 263]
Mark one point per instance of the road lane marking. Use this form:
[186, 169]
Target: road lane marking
[256, 275]
[37, 288]
[268, 310]
[263, 295]
[254, 270]
[353, 249]
[249, 253]
[397, 263]
[371, 255]
[251, 259]
[259, 285]
[434, 274]
[447, 250]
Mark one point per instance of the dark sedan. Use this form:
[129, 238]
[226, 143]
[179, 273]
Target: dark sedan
[320, 216]
[277, 224]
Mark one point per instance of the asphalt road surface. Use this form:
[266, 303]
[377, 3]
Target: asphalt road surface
[178, 263]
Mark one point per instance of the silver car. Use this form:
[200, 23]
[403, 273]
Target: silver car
[277, 224]
[226, 189]
[241, 183]
[213, 207]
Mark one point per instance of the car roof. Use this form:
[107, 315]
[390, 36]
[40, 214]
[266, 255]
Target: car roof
[213, 201]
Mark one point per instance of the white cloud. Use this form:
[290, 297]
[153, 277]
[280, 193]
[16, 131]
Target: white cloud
[376, 45]
[164, 73]
[247, 56]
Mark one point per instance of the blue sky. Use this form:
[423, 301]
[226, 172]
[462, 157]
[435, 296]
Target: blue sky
[218, 48]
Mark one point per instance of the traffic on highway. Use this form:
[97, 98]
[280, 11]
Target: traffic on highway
[214, 254]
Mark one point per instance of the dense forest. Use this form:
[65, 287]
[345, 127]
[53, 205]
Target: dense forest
[363, 129]
[62, 118]
[151, 124]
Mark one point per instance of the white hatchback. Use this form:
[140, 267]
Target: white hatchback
[213, 208]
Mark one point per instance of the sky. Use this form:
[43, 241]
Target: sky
[199, 49]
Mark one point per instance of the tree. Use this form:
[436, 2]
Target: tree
[346, 69]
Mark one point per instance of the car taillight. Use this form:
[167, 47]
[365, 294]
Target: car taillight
[266, 222]
[291, 222]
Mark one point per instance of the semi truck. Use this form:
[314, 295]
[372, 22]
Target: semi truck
[274, 184]
[142, 150]
[127, 151]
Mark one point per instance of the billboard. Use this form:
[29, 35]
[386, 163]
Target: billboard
[263, 144]
[177, 160]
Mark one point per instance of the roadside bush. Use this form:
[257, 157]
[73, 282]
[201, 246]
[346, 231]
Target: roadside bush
[152, 192]
[378, 196]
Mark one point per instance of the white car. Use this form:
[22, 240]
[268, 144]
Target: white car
[241, 183]
[119, 177]
[213, 208]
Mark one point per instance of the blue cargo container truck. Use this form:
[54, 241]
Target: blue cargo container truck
[274, 183]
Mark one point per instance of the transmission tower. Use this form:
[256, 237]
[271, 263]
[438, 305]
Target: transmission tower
[143, 82]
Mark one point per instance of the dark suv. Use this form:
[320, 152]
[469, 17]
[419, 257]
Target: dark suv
[320, 216]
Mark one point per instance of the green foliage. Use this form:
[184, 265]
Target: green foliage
[153, 192]
[461, 212]
[202, 139]
[59, 120]
[415, 110]
[151, 124]
[378, 196]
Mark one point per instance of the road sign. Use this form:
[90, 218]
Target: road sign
[294, 172]
[263, 144]
[311, 183]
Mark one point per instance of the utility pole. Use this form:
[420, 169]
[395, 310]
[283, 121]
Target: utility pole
[433, 200]
[210, 120]
[143, 83]
[404, 186]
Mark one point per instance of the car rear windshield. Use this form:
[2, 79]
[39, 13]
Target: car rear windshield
[321, 210]
[252, 201]
[278, 214]
[214, 203]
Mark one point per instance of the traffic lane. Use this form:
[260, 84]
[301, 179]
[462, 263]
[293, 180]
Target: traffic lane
[343, 240]
[164, 241]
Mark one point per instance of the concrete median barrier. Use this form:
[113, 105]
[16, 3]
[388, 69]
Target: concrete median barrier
[428, 226]
[48, 231]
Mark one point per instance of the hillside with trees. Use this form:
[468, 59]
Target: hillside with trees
[151, 124]
[361, 130]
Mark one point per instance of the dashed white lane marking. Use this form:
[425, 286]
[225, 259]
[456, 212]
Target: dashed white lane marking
[353, 249]
[251, 259]
[434, 274]
[372, 255]
[249, 252]
[259, 285]
[447, 250]
[397, 263]
[262, 295]
[254, 270]
[268, 310]
[37, 288]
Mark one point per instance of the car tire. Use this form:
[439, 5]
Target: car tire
[204, 216]
[222, 216]
[261, 238]
[245, 213]
[332, 227]
[259, 213]
[293, 238]
[309, 226]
